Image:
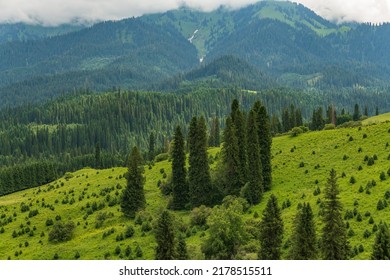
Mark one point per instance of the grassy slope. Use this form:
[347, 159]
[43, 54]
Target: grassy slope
[325, 148]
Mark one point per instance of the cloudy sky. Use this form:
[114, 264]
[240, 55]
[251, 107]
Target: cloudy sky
[52, 12]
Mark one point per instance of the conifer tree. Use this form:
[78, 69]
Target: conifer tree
[98, 158]
[231, 159]
[214, 140]
[253, 190]
[182, 253]
[356, 113]
[133, 197]
[238, 120]
[265, 142]
[381, 248]
[165, 236]
[179, 172]
[304, 243]
[271, 231]
[199, 179]
[334, 243]
[152, 144]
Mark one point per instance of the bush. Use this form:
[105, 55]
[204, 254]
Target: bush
[129, 231]
[359, 217]
[371, 221]
[62, 232]
[301, 164]
[329, 126]
[317, 191]
[199, 216]
[387, 194]
[77, 255]
[382, 177]
[117, 250]
[296, 131]
[138, 252]
[161, 157]
[380, 205]
[370, 161]
[366, 233]
[352, 180]
[49, 222]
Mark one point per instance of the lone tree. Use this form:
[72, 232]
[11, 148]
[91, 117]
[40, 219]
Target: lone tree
[381, 248]
[165, 237]
[271, 231]
[179, 172]
[133, 197]
[304, 242]
[334, 243]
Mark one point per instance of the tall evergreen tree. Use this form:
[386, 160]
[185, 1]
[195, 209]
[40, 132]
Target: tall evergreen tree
[265, 141]
[356, 113]
[214, 140]
[165, 237]
[334, 243]
[152, 146]
[181, 252]
[98, 157]
[199, 179]
[133, 197]
[253, 190]
[179, 172]
[304, 243]
[381, 248]
[271, 231]
[231, 159]
[238, 120]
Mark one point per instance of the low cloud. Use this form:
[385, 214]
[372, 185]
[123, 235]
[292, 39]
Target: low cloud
[54, 12]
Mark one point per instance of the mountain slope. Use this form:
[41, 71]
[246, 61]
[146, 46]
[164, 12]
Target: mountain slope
[90, 199]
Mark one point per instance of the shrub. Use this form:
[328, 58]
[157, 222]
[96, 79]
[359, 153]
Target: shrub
[317, 191]
[382, 177]
[371, 221]
[370, 161]
[380, 205]
[146, 226]
[62, 232]
[359, 217]
[161, 157]
[351, 232]
[117, 250]
[129, 231]
[199, 216]
[119, 237]
[345, 157]
[138, 252]
[329, 126]
[301, 164]
[350, 139]
[56, 256]
[360, 168]
[366, 233]
[387, 194]
[128, 251]
[352, 180]
[77, 255]
[49, 222]
[296, 131]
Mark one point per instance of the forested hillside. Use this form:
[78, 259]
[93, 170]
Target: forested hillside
[274, 44]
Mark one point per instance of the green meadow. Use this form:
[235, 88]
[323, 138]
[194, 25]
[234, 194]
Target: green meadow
[90, 199]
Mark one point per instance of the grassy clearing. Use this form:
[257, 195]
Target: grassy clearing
[377, 119]
[300, 165]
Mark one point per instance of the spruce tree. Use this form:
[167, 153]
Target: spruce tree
[231, 159]
[199, 179]
[356, 113]
[133, 197]
[182, 253]
[179, 172]
[304, 243]
[334, 243]
[152, 144]
[165, 237]
[98, 158]
[253, 190]
[238, 120]
[381, 248]
[271, 231]
[265, 142]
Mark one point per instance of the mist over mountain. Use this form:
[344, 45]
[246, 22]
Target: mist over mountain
[288, 43]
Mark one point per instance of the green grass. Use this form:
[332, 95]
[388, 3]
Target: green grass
[319, 152]
[377, 119]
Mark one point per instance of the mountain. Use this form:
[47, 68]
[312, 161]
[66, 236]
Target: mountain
[282, 41]
[225, 71]
[21, 32]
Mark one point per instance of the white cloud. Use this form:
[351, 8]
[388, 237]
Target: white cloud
[52, 12]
